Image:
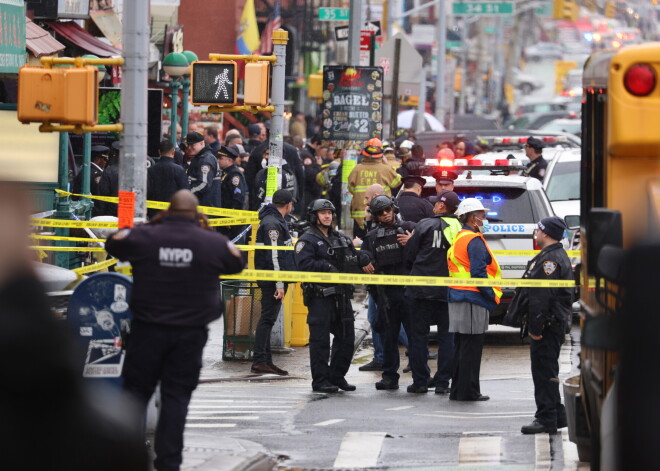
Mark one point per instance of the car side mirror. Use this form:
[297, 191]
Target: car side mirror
[572, 222]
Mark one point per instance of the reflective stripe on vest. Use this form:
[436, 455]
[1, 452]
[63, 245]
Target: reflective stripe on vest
[458, 262]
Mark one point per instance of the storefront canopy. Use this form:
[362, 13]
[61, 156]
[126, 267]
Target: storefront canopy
[39, 41]
[81, 38]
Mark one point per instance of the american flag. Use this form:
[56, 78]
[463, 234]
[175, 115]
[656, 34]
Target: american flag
[274, 22]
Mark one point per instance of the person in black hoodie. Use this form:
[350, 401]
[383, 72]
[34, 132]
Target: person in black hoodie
[273, 230]
[202, 170]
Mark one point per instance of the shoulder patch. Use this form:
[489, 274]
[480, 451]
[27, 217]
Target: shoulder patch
[235, 180]
[307, 161]
[205, 169]
[233, 249]
[549, 267]
[299, 246]
[97, 179]
[273, 235]
[542, 172]
[122, 234]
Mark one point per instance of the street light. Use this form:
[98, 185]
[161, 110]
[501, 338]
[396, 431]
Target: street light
[192, 57]
[175, 65]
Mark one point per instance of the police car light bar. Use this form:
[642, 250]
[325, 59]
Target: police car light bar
[523, 139]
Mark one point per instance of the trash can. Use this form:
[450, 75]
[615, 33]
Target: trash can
[242, 302]
[578, 430]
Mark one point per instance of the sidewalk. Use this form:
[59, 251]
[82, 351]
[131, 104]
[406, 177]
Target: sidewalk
[205, 454]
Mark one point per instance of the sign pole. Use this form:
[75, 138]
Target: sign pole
[354, 27]
[274, 176]
[133, 159]
[440, 73]
[395, 90]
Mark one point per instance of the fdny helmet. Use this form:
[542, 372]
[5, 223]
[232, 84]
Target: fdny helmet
[373, 148]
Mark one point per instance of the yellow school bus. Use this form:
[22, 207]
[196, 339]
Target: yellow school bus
[619, 393]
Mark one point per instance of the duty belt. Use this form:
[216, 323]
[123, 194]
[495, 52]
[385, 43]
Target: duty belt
[331, 291]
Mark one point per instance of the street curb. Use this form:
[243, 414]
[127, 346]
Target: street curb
[362, 329]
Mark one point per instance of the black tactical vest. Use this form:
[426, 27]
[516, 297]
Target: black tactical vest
[387, 251]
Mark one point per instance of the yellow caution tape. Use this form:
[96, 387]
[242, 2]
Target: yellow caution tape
[54, 248]
[349, 278]
[224, 212]
[74, 224]
[70, 239]
[529, 253]
[95, 267]
[233, 221]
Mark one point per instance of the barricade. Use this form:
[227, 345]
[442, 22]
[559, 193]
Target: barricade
[242, 303]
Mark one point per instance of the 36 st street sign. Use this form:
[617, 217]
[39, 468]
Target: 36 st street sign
[483, 8]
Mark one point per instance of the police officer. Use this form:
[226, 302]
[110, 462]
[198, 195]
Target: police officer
[547, 311]
[385, 246]
[99, 159]
[109, 182]
[176, 264]
[202, 170]
[411, 205]
[233, 189]
[444, 180]
[426, 254]
[323, 249]
[165, 177]
[272, 231]
[537, 164]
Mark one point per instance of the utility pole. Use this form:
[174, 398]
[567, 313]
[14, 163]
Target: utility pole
[133, 156]
[441, 39]
[394, 116]
[354, 26]
[275, 145]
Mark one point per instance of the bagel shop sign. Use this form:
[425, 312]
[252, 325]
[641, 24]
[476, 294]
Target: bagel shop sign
[352, 104]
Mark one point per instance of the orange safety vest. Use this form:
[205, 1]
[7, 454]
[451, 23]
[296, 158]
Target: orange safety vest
[458, 262]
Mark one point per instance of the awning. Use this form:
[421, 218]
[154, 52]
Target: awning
[81, 38]
[39, 41]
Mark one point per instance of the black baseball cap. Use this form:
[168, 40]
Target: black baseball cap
[553, 226]
[194, 138]
[449, 198]
[282, 197]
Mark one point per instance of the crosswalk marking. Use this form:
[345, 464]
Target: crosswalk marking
[473, 450]
[542, 447]
[401, 408]
[232, 401]
[200, 406]
[565, 358]
[201, 410]
[474, 417]
[329, 422]
[210, 425]
[235, 417]
[359, 450]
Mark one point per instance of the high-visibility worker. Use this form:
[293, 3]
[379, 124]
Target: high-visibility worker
[371, 170]
[470, 306]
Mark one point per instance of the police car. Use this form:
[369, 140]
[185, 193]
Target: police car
[515, 205]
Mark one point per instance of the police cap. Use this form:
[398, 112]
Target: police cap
[282, 197]
[445, 176]
[409, 179]
[553, 226]
[194, 138]
[228, 152]
[535, 143]
[100, 151]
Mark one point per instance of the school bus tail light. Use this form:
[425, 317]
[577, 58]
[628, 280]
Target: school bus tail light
[640, 80]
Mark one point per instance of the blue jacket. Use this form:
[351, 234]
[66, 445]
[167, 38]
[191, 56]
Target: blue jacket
[479, 259]
[273, 230]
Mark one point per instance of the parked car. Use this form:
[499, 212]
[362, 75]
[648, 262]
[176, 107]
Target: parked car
[562, 183]
[536, 120]
[515, 205]
[571, 126]
[541, 105]
[526, 83]
[543, 50]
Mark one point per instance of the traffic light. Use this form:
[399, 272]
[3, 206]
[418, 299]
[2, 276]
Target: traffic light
[257, 79]
[610, 9]
[213, 83]
[66, 95]
[565, 10]
[315, 86]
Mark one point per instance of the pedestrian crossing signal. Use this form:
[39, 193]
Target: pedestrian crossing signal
[214, 83]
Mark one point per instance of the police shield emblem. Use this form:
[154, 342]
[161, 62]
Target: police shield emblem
[549, 267]
[299, 246]
[273, 235]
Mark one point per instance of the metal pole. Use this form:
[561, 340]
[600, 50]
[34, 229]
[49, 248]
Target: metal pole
[63, 202]
[184, 104]
[440, 74]
[421, 106]
[395, 89]
[354, 27]
[133, 160]
[390, 19]
[174, 112]
[276, 146]
[86, 171]
[464, 52]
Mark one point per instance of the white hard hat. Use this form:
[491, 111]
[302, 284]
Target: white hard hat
[406, 144]
[468, 205]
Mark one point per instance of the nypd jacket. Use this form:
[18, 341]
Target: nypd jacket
[274, 231]
[176, 265]
[547, 305]
[165, 178]
[413, 208]
[233, 189]
[536, 168]
[426, 253]
[201, 174]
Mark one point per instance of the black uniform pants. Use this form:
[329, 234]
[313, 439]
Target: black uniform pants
[544, 354]
[324, 319]
[270, 309]
[397, 314]
[425, 313]
[466, 366]
[173, 356]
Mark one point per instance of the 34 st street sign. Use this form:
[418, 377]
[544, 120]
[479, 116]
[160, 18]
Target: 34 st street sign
[483, 8]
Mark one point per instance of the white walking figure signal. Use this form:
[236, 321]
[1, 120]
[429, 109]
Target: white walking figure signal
[222, 80]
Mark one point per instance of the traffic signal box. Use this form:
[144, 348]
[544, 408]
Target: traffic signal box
[315, 86]
[67, 95]
[565, 10]
[610, 9]
[256, 89]
[214, 83]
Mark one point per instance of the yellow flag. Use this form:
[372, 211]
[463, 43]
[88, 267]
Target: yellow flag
[248, 31]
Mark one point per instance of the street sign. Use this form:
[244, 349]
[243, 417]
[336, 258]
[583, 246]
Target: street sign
[483, 8]
[334, 14]
[341, 32]
[410, 65]
[453, 44]
[213, 83]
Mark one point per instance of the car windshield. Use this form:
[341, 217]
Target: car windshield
[564, 182]
[563, 126]
[509, 205]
